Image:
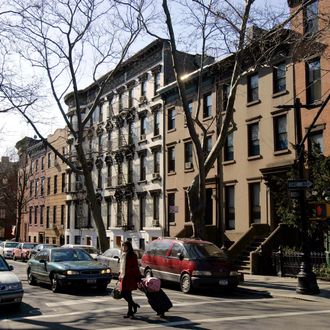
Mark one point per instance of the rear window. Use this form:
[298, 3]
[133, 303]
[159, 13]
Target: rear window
[204, 250]
[12, 244]
[28, 246]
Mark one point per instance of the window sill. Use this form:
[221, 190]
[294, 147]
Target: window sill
[207, 118]
[254, 157]
[187, 170]
[171, 130]
[228, 162]
[252, 103]
[156, 137]
[172, 224]
[171, 173]
[142, 181]
[278, 94]
[282, 152]
[143, 141]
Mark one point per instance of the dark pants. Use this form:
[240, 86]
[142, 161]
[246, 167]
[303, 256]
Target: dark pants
[127, 295]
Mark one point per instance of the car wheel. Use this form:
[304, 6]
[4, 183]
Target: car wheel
[55, 285]
[185, 283]
[14, 257]
[148, 273]
[31, 279]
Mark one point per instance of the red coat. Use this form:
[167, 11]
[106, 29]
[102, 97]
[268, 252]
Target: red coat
[132, 274]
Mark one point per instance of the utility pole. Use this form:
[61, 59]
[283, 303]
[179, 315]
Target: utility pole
[307, 283]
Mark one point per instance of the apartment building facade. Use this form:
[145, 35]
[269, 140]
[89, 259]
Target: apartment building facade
[124, 143]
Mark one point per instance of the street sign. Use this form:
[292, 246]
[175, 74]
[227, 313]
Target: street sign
[299, 184]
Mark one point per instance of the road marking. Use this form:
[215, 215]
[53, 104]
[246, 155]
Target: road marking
[161, 324]
[124, 307]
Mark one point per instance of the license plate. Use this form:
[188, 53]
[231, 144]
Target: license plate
[91, 281]
[223, 282]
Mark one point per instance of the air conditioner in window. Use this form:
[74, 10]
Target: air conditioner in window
[155, 175]
[188, 165]
[142, 137]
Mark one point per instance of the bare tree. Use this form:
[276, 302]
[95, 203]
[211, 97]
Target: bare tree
[72, 42]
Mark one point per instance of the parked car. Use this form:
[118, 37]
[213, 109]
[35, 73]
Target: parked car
[40, 247]
[111, 257]
[93, 251]
[7, 248]
[191, 263]
[22, 251]
[11, 290]
[61, 267]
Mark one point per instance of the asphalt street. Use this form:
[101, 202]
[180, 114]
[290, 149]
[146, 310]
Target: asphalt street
[90, 309]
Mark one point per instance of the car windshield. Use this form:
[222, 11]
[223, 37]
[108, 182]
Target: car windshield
[204, 250]
[90, 249]
[3, 266]
[28, 246]
[61, 255]
[11, 244]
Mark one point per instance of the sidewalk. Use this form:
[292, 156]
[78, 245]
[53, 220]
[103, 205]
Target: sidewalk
[284, 287]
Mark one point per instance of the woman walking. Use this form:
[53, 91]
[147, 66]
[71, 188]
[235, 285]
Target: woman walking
[129, 276]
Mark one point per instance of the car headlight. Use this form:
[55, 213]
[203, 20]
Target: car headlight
[106, 271]
[14, 286]
[71, 272]
[201, 273]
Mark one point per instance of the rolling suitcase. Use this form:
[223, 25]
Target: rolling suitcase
[159, 301]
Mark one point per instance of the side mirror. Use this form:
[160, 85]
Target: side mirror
[180, 256]
[115, 257]
[11, 267]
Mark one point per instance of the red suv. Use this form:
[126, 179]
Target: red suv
[192, 263]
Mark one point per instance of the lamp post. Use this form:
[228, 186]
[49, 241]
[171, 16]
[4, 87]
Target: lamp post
[307, 283]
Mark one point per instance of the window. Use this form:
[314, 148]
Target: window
[156, 123]
[100, 114]
[186, 207]
[143, 167]
[62, 214]
[188, 153]
[68, 215]
[99, 178]
[171, 119]
[190, 109]
[142, 210]
[42, 207]
[36, 165]
[47, 216]
[230, 207]
[55, 184]
[253, 140]
[208, 216]
[253, 88]
[99, 141]
[130, 97]
[120, 102]
[229, 148]
[144, 87]
[208, 144]
[129, 171]
[109, 174]
[120, 174]
[315, 141]
[119, 213]
[108, 214]
[36, 187]
[63, 182]
[35, 215]
[143, 127]
[49, 160]
[31, 188]
[313, 81]
[279, 81]
[171, 159]
[48, 186]
[171, 207]
[156, 161]
[225, 96]
[311, 18]
[207, 105]
[155, 205]
[280, 133]
[54, 214]
[156, 82]
[42, 163]
[254, 201]
[30, 215]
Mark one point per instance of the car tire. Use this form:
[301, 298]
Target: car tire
[148, 273]
[14, 257]
[54, 284]
[185, 283]
[30, 278]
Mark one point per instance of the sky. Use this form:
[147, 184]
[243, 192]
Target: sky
[14, 127]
